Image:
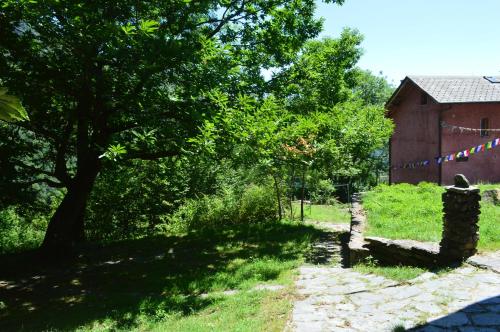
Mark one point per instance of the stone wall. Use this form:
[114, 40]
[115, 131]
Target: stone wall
[357, 251]
[460, 221]
[403, 252]
[460, 233]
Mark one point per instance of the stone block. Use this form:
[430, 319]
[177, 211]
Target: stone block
[492, 196]
[461, 210]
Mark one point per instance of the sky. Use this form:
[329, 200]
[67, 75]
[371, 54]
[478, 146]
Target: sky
[421, 37]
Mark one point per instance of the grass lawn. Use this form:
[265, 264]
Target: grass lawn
[398, 273]
[407, 211]
[160, 284]
[336, 213]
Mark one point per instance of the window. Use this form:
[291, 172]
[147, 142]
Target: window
[485, 125]
[423, 98]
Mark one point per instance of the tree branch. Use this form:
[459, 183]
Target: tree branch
[151, 155]
[224, 20]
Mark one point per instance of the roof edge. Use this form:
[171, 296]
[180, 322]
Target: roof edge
[404, 82]
[396, 92]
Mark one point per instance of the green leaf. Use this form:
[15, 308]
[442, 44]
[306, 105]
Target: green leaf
[114, 152]
[129, 29]
[11, 108]
[148, 27]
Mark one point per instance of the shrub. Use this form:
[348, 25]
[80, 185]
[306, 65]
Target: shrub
[323, 192]
[18, 233]
[256, 204]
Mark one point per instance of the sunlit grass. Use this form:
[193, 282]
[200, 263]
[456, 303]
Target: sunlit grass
[398, 273]
[405, 211]
[336, 213]
[165, 284]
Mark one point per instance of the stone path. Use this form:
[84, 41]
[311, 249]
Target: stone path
[332, 298]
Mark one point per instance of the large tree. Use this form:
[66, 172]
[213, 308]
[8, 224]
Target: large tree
[102, 78]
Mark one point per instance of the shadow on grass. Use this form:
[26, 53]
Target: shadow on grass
[150, 276]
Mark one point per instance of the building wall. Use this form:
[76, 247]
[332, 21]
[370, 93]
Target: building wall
[415, 137]
[481, 167]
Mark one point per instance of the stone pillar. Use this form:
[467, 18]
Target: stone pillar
[460, 221]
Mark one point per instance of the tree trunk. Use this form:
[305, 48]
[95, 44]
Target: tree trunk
[278, 196]
[302, 193]
[66, 227]
[292, 175]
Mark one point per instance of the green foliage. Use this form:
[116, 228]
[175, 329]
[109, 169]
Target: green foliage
[17, 233]
[114, 152]
[255, 205]
[322, 191]
[405, 211]
[137, 199]
[128, 201]
[128, 80]
[373, 90]
[23, 221]
[345, 137]
[137, 68]
[11, 108]
[324, 74]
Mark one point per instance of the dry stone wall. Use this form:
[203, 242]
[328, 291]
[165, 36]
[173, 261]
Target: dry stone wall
[460, 223]
[459, 240]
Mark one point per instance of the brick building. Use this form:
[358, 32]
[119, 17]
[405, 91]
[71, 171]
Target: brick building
[432, 115]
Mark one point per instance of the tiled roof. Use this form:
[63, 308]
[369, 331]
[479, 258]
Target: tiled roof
[458, 89]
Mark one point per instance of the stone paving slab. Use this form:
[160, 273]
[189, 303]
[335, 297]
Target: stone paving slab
[489, 261]
[338, 299]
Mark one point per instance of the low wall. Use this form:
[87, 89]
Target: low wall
[407, 252]
[357, 251]
[386, 251]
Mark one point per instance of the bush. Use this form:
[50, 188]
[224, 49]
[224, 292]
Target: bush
[17, 233]
[128, 202]
[323, 192]
[256, 204]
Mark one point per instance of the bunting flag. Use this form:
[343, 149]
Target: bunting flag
[450, 157]
[466, 129]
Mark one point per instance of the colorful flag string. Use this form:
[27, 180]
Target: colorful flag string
[466, 129]
[450, 157]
